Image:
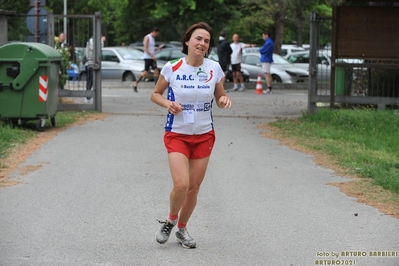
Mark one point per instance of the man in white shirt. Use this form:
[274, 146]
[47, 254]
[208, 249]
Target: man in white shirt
[237, 47]
[150, 61]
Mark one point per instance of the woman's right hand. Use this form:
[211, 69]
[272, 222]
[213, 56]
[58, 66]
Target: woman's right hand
[174, 108]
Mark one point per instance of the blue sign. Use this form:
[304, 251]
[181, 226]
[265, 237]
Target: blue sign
[42, 20]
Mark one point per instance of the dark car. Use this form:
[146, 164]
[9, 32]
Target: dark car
[167, 54]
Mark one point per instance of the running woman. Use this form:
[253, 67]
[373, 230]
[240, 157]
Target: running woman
[193, 83]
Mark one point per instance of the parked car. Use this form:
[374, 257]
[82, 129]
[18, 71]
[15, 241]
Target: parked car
[122, 63]
[301, 60]
[170, 44]
[167, 54]
[323, 60]
[287, 49]
[250, 50]
[282, 71]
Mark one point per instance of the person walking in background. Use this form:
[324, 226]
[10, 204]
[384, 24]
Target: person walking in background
[149, 57]
[193, 83]
[89, 65]
[266, 59]
[224, 52]
[236, 56]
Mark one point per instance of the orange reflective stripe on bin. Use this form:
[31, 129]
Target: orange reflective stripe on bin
[43, 92]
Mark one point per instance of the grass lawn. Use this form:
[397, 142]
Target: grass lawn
[364, 142]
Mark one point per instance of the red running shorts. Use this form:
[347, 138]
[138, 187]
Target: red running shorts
[192, 146]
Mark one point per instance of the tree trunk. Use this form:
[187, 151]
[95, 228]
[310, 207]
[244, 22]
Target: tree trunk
[279, 19]
[299, 22]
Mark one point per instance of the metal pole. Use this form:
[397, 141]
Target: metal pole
[314, 29]
[50, 28]
[36, 21]
[97, 62]
[65, 21]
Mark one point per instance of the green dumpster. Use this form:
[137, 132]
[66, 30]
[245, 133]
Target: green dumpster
[29, 74]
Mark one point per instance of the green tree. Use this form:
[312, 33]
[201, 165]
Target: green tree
[130, 20]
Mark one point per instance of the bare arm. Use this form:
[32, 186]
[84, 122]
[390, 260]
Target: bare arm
[156, 97]
[221, 98]
[145, 42]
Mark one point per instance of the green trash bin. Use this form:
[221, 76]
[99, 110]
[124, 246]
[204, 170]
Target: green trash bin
[29, 74]
[340, 78]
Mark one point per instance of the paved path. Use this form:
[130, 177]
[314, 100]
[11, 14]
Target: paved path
[102, 185]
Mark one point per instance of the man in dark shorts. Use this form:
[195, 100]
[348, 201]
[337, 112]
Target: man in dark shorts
[149, 57]
[224, 52]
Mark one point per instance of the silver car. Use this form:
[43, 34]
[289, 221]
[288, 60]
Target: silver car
[323, 60]
[121, 63]
[282, 71]
[301, 60]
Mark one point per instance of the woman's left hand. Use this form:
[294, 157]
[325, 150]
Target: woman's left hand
[224, 102]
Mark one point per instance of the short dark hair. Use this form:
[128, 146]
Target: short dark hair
[156, 29]
[266, 32]
[189, 32]
[223, 33]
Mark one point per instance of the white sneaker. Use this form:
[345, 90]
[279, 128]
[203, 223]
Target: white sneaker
[186, 240]
[242, 88]
[234, 88]
[267, 91]
[163, 232]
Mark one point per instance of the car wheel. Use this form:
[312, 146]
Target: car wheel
[129, 76]
[277, 78]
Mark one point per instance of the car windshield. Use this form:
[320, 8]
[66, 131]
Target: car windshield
[130, 54]
[277, 59]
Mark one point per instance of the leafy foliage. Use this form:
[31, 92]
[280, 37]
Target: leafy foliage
[130, 20]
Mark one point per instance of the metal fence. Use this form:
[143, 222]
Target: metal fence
[45, 28]
[347, 81]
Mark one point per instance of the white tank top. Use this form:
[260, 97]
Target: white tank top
[151, 46]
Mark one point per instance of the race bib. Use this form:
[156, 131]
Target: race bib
[188, 116]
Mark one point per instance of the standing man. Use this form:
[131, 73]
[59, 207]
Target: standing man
[61, 42]
[149, 56]
[224, 53]
[62, 47]
[266, 59]
[236, 55]
[89, 65]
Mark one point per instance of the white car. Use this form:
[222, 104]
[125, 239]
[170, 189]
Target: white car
[287, 49]
[282, 71]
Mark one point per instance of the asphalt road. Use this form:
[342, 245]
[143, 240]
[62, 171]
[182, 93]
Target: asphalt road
[102, 185]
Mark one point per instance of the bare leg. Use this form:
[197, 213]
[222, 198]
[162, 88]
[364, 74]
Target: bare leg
[179, 168]
[235, 77]
[269, 79]
[197, 173]
[143, 75]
